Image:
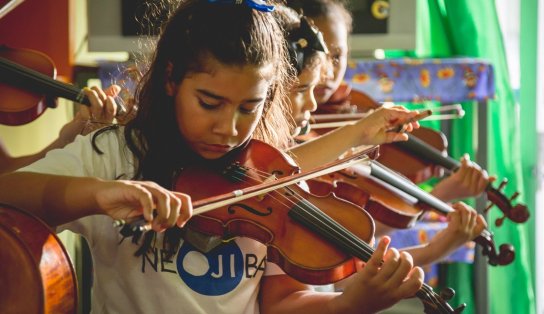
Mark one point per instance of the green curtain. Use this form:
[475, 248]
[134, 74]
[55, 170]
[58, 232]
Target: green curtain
[449, 28]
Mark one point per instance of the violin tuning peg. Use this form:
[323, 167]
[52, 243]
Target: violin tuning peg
[513, 197]
[503, 184]
[144, 228]
[447, 294]
[499, 221]
[118, 223]
[126, 231]
[488, 207]
[460, 308]
[136, 237]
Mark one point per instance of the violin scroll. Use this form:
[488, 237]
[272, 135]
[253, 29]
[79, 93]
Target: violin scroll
[438, 304]
[506, 253]
[28, 86]
[518, 213]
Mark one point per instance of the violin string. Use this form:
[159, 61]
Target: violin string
[50, 83]
[425, 293]
[58, 86]
[341, 232]
[337, 232]
[353, 244]
[32, 75]
[429, 293]
[345, 235]
[42, 81]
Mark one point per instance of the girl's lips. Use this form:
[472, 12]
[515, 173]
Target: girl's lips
[321, 90]
[217, 147]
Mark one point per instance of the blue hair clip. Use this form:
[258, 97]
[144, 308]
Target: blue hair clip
[259, 5]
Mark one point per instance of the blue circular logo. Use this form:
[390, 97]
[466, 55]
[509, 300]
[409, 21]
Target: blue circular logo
[214, 273]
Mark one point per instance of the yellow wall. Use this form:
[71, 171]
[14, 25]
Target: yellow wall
[36, 135]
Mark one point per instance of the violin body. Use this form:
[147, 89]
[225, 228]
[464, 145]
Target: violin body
[384, 204]
[19, 106]
[347, 100]
[299, 251]
[36, 273]
[28, 86]
[416, 169]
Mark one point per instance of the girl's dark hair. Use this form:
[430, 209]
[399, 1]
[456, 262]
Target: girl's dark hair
[234, 35]
[303, 39]
[329, 9]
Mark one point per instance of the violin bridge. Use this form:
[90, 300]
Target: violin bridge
[267, 180]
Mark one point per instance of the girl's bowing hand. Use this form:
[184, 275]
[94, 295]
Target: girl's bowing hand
[386, 125]
[160, 207]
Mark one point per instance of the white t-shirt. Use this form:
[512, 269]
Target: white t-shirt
[225, 280]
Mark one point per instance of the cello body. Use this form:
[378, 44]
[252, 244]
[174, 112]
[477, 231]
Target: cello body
[36, 274]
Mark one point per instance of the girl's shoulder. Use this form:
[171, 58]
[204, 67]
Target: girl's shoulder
[102, 153]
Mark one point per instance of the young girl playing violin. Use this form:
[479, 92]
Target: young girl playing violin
[216, 80]
[334, 21]
[308, 55]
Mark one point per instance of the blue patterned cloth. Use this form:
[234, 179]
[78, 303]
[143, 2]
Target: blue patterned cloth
[421, 233]
[413, 80]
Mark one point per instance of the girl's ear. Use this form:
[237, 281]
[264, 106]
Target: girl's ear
[170, 85]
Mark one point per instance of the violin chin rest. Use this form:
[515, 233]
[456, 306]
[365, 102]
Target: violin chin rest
[202, 242]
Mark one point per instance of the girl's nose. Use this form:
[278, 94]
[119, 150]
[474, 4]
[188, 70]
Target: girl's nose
[310, 104]
[226, 123]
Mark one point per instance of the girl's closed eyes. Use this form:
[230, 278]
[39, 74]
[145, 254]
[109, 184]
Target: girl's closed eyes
[243, 108]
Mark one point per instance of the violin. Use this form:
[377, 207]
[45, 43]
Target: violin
[314, 239]
[28, 86]
[36, 273]
[359, 176]
[396, 202]
[422, 157]
[429, 153]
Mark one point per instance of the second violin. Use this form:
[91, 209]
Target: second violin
[28, 86]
